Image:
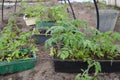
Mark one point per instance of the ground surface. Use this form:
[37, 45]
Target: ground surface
[44, 69]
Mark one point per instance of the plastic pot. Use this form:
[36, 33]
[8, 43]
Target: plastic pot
[41, 38]
[17, 65]
[29, 20]
[107, 19]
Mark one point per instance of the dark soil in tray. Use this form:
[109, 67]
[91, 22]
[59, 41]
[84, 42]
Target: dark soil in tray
[44, 69]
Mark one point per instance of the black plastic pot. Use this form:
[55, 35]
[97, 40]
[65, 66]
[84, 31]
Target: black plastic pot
[41, 38]
[69, 66]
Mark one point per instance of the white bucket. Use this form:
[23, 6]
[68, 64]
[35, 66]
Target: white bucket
[107, 19]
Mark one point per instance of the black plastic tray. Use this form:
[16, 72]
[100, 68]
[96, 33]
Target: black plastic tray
[68, 66]
[41, 38]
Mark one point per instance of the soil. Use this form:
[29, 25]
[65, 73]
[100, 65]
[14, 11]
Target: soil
[44, 69]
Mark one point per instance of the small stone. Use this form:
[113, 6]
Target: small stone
[9, 78]
[116, 79]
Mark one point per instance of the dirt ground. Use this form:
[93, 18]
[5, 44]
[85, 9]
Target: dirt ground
[44, 69]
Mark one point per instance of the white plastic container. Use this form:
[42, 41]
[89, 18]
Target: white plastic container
[107, 19]
[29, 21]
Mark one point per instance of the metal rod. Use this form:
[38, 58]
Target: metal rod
[72, 9]
[97, 13]
[115, 3]
[15, 6]
[2, 10]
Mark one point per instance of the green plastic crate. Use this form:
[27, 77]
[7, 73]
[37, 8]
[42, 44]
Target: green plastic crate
[17, 65]
[44, 24]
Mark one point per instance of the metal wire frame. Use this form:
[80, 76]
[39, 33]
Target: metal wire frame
[73, 13]
[71, 9]
[15, 6]
[96, 7]
[97, 13]
[2, 9]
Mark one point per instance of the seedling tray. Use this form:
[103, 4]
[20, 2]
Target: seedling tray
[17, 65]
[45, 24]
[69, 66]
[41, 38]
